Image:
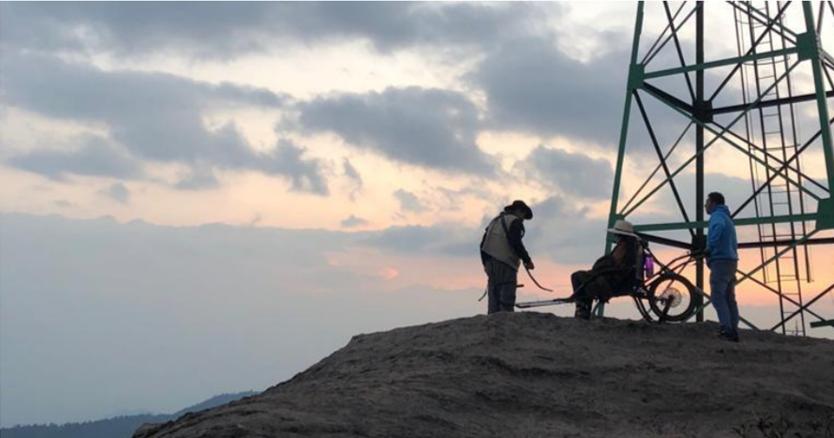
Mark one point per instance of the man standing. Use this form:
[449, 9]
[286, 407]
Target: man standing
[722, 259]
[502, 252]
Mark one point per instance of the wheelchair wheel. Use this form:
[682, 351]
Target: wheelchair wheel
[673, 294]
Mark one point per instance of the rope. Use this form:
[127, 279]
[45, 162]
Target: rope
[486, 291]
[507, 234]
[536, 282]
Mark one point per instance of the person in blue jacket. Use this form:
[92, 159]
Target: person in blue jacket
[722, 259]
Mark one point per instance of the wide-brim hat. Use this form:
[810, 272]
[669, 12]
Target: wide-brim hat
[624, 228]
[521, 206]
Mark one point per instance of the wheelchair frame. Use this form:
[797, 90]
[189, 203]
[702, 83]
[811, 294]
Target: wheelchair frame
[655, 303]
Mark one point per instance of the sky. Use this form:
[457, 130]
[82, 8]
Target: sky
[201, 198]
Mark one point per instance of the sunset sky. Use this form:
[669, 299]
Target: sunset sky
[203, 198]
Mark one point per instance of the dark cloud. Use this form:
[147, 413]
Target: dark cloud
[394, 25]
[409, 202]
[424, 127]
[117, 192]
[198, 178]
[355, 183]
[229, 29]
[565, 232]
[156, 117]
[353, 221]
[306, 175]
[532, 86]
[575, 174]
[95, 157]
[89, 93]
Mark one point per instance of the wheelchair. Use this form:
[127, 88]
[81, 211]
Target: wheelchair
[660, 295]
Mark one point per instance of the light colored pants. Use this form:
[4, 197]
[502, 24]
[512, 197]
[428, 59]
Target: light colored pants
[501, 286]
[722, 283]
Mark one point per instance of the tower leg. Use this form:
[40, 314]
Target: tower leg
[618, 172]
[699, 162]
[822, 105]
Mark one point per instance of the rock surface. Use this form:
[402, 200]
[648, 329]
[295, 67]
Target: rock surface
[536, 375]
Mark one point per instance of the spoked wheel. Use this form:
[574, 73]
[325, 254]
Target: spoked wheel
[671, 298]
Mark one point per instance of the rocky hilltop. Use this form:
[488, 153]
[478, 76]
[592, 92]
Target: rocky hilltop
[538, 375]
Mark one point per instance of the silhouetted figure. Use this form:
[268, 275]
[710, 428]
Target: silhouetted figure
[502, 252]
[722, 259]
[611, 275]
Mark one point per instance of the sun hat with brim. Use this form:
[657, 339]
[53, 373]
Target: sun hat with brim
[521, 206]
[624, 228]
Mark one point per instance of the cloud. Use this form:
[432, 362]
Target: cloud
[155, 117]
[355, 183]
[192, 294]
[443, 239]
[560, 231]
[198, 177]
[532, 86]
[228, 30]
[396, 25]
[96, 156]
[432, 128]
[572, 173]
[453, 199]
[735, 190]
[564, 232]
[409, 202]
[306, 175]
[353, 221]
[85, 93]
[63, 203]
[256, 219]
[117, 192]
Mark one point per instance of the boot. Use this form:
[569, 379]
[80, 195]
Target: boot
[583, 310]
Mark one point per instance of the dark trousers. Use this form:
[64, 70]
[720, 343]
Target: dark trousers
[501, 286]
[588, 287]
[583, 293]
[722, 284]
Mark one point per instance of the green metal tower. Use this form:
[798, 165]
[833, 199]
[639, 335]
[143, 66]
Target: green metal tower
[758, 85]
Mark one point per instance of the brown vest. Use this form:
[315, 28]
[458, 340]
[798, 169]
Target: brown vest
[497, 243]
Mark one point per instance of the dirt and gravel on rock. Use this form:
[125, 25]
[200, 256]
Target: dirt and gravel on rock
[538, 375]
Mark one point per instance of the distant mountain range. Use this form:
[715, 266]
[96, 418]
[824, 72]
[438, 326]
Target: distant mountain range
[117, 427]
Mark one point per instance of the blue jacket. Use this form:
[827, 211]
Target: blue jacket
[721, 240]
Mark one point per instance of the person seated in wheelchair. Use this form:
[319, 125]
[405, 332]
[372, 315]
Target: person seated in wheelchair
[612, 275]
